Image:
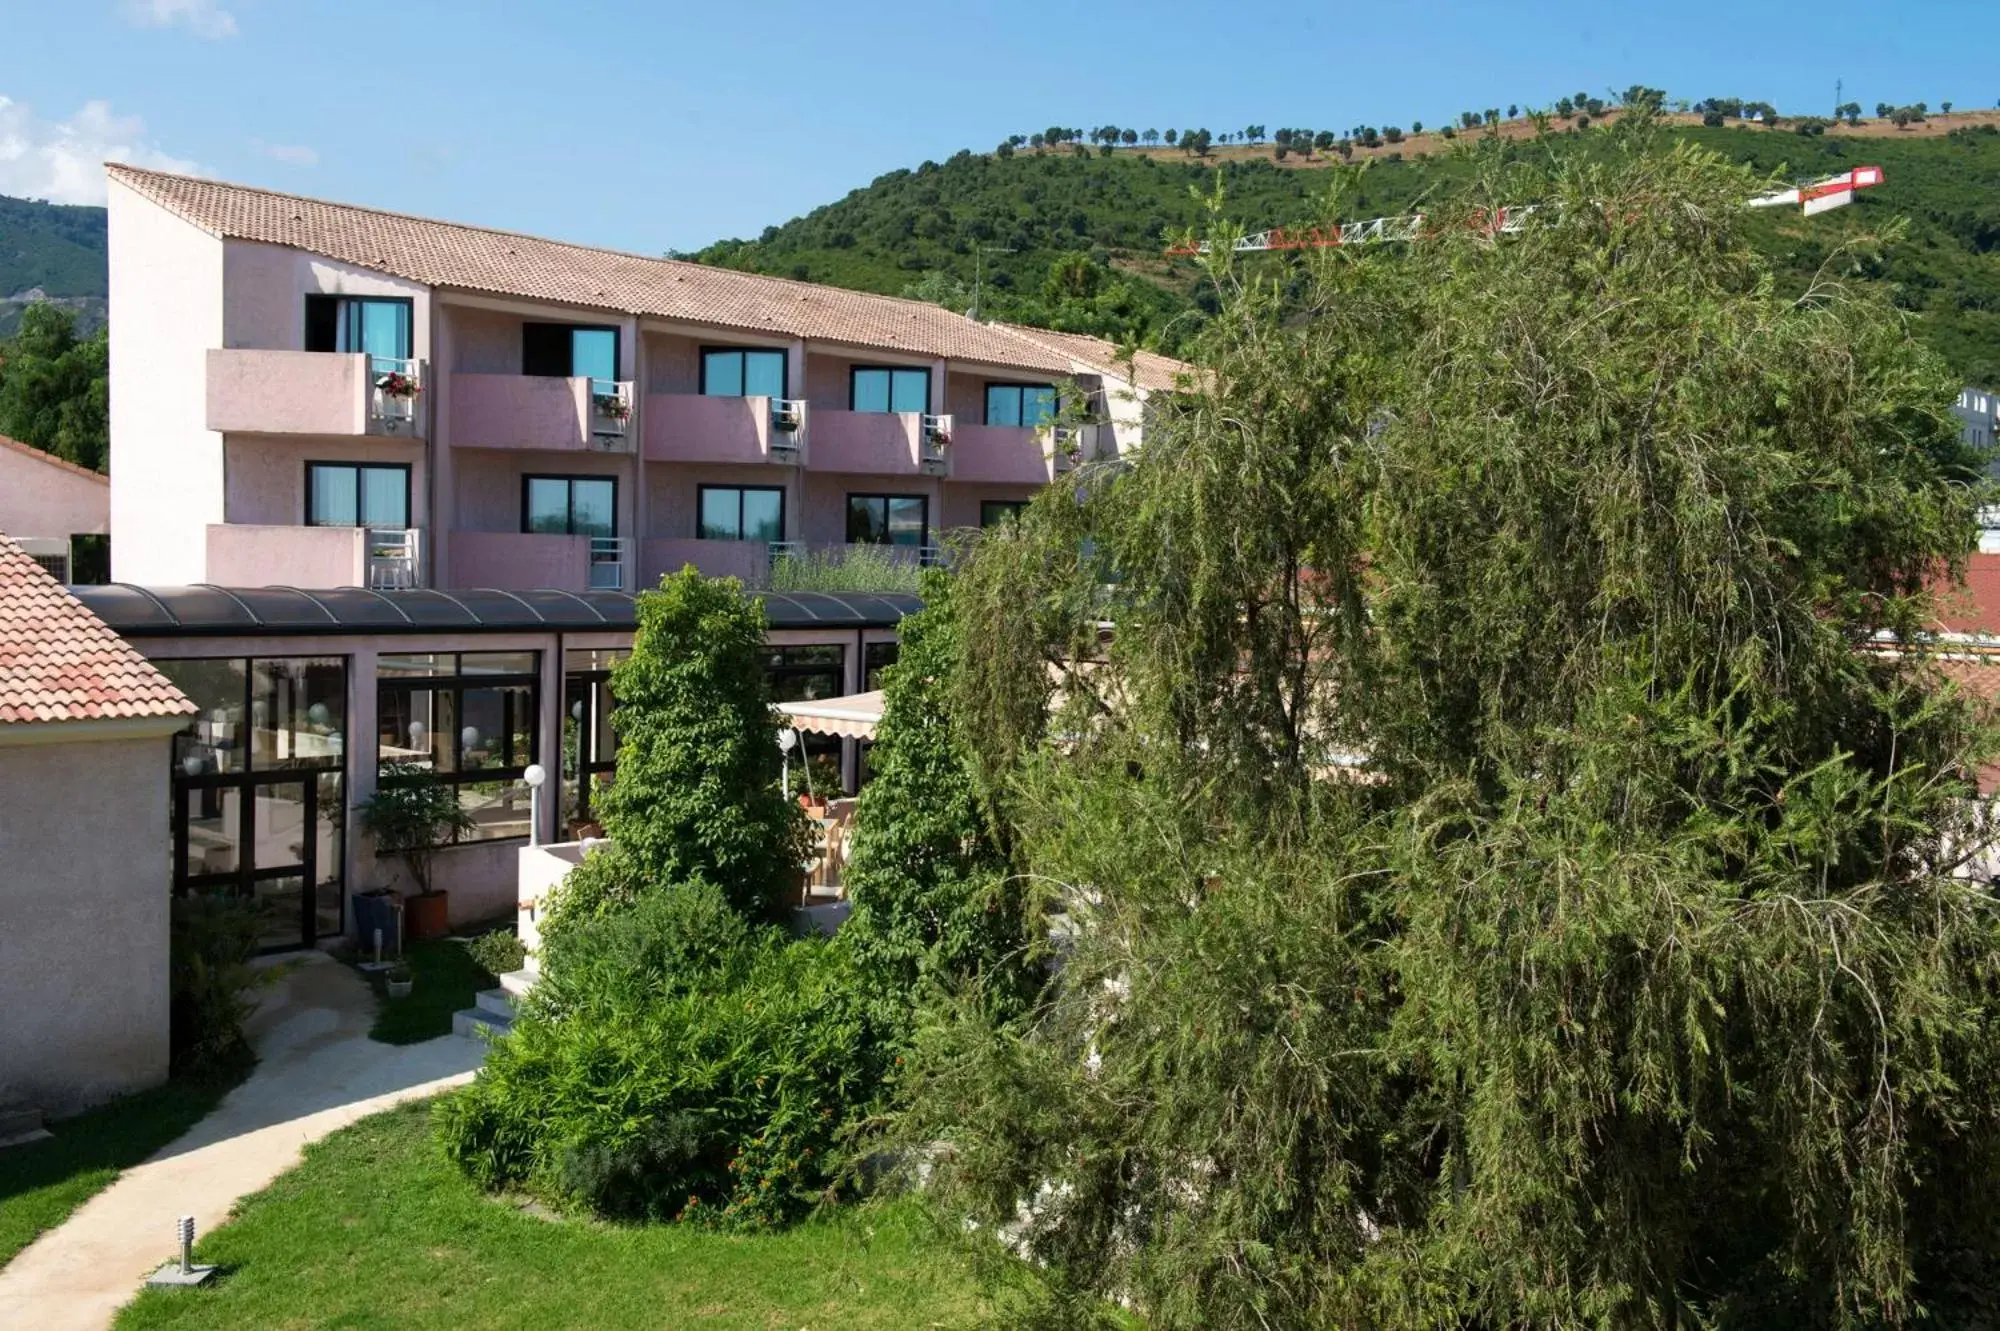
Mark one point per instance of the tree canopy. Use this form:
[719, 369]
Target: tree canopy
[54, 387]
[1514, 888]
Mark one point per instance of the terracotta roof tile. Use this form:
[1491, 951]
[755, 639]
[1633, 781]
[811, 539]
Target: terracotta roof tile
[448, 254]
[1150, 370]
[58, 662]
[53, 460]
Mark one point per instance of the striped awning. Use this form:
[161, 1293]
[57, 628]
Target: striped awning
[852, 717]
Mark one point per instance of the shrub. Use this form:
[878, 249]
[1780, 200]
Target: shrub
[676, 1064]
[211, 942]
[497, 952]
[697, 795]
[411, 814]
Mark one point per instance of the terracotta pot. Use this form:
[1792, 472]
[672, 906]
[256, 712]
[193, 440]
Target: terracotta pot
[427, 914]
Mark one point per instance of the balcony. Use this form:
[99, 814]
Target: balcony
[245, 555]
[526, 560]
[748, 560]
[320, 393]
[690, 427]
[536, 411]
[881, 443]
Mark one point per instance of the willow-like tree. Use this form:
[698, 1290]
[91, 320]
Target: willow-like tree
[1518, 890]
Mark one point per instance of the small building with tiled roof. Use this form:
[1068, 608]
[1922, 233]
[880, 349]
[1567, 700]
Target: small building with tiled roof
[86, 726]
[48, 504]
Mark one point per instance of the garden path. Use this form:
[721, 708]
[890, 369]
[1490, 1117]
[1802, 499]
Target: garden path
[317, 1071]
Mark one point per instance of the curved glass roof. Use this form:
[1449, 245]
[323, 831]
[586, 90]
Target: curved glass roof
[202, 610]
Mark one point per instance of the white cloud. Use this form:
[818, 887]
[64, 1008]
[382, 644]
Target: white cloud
[291, 154]
[201, 17]
[63, 160]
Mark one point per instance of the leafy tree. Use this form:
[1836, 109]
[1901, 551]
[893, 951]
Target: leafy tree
[1036, 141]
[697, 796]
[411, 815]
[1564, 108]
[1005, 150]
[1173, 136]
[1153, 137]
[1323, 141]
[1201, 141]
[1513, 111]
[55, 388]
[1945, 107]
[1883, 110]
[1628, 982]
[1129, 137]
[1416, 127]
[1392, 135]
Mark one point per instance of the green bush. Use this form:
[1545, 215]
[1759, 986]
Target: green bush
[677, 1063]
[497, 952]
[211, 942]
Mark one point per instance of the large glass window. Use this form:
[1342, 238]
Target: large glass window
[566, 351]
[470, 719]
[259, 789]
[1020, 404]
[343, 494]
[741, 513]
[888, 519]
[875, 658]
[994, 512]
[885, 389]
[379, 326]
[570, 505]
[743, 373]
[803, 674]
[589, 743]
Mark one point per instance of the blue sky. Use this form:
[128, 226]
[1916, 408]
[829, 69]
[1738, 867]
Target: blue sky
[668, 125]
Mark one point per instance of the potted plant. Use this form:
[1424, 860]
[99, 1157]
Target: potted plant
[785, 416]
[611, 406]
[397, 384]
[398, 979]
[412, 814]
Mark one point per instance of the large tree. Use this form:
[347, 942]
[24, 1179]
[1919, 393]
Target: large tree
[1516, 889]
[54, 387]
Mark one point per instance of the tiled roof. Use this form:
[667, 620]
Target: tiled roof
[58, 662]
[468, 258]
[1975, 607]
[54, 461]
[1150, 370]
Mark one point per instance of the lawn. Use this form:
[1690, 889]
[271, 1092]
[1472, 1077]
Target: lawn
[377, 1229]
[448, 972]
[41, 1184]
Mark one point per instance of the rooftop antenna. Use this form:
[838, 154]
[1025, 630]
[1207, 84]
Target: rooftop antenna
[979, 253]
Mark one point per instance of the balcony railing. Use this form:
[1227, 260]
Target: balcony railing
[1073, 446]
[611, 415]
[393, 388]
[788, 429]
[787, 550]
[392, 557]
[934, 447]
[610, 564]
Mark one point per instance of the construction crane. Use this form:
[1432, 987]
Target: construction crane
[1818, 197]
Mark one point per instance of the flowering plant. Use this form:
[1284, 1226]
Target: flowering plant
[397, 384]
[785, 418]
[611, 406]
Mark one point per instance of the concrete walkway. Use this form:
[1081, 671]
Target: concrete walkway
[317, 1071]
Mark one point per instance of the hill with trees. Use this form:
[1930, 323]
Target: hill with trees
[1074, 237]
[54, 252]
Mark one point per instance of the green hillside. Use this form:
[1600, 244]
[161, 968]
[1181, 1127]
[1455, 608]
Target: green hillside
[1075, 241]
[54, 248]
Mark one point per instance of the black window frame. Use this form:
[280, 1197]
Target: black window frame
[1014, 508]
[569, 479]
[595, 684]
[337, 299]
[1019, 386]
[853, 495]
[617, 346]
[854, 371]
[701, 505]
[458, 684]
[357, 467]
[701, 363]
[873, 662]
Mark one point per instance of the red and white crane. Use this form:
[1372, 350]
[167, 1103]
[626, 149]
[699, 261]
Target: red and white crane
[1818, 197]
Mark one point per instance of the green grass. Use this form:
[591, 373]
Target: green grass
[377, 1229]
[449, 973]
[41, 1184]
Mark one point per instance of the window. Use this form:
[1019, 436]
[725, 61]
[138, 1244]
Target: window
[888, 519]
[741, 513]
[589, 743]
[379, 326]
[993, 512]
[875, 658]
[727, 373]
[343, 494]
[468, 718]
[258, 789]
[881, 389]
[566, 351]
[570, 505]
[803, 674]
[1020, 404]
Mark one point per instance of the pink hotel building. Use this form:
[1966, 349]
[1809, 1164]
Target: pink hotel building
[318, 395]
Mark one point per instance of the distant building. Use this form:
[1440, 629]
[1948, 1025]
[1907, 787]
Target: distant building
[46, 504]
[1979, 408]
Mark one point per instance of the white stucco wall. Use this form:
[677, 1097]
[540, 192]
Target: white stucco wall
[166, 465]
[84, 884]
[40, 497]
[265, 288]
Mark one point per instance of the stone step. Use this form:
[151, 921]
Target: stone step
[497, 1001]
[21, 1124]
[519, 982]
[477, 1023]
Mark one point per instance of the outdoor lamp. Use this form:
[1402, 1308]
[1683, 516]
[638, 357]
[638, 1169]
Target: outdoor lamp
[788, 738]
[534, 776]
